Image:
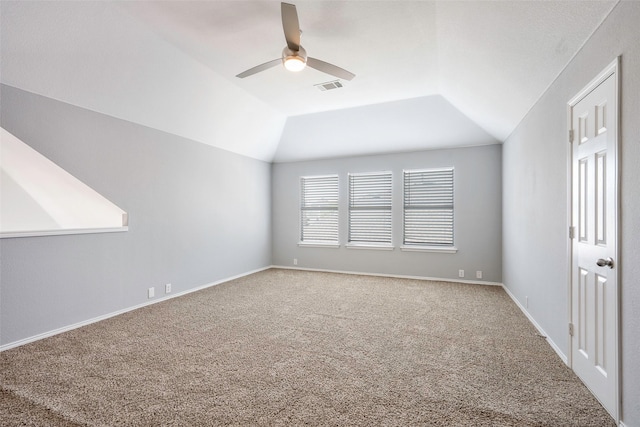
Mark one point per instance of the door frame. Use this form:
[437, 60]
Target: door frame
[613, 69]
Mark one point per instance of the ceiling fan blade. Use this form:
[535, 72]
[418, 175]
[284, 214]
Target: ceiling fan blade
[334, 70]
[291, 26]
[261, 67]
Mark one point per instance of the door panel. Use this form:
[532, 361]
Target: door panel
[594, 293]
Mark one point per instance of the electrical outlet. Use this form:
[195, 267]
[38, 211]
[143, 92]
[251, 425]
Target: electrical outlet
[295, 261]
[526, 302]
[167, 288]
[152, 292]
[460, 273]
[479, 274]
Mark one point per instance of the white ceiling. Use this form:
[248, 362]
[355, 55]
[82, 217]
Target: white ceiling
[390, 46]
[404, 125]
[172, 65]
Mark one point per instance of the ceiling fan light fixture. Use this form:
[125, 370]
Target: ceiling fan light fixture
[294, 63]
[294, 60]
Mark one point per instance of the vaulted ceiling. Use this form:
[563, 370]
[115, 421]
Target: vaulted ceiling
[435, 73]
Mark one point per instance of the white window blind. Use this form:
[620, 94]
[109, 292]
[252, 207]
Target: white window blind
[370, 208]
[428, 207]
[319, 209]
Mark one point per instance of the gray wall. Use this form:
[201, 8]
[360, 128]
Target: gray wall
[197, 214]
[477, 215]
[535, 209]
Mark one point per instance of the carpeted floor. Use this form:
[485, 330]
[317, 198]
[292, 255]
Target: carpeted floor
[285, 347]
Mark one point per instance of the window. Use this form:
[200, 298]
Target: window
[428, 209]
[319, 210]
[370, 209]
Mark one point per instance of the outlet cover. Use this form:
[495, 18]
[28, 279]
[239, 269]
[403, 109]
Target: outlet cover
[460, 273]
[167, 288]
[295, 261]
[152, 292]
[478, 274]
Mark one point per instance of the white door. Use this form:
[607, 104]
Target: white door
[594, 287]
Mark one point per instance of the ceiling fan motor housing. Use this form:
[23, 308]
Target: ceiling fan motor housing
[294, 60]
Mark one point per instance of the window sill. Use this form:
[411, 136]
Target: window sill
[318, 245]
[369, 246]
[440, 249]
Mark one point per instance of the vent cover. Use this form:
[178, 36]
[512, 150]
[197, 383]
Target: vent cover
[329, 85]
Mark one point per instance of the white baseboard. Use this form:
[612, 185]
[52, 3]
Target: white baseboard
[397, 276]
[541, 331]
[125, 310]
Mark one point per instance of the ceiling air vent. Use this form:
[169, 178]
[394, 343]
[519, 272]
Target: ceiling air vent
[329, 85]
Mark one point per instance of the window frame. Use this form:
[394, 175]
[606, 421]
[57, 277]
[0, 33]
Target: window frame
[355, 206]
[302, 208]
[428, 246]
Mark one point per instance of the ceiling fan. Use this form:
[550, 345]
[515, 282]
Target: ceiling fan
[294, 57]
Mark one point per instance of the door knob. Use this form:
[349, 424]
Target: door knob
[605, 262]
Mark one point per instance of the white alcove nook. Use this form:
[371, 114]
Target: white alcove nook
[39, 198]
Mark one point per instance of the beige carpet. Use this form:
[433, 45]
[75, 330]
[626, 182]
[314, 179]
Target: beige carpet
[301, 348]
